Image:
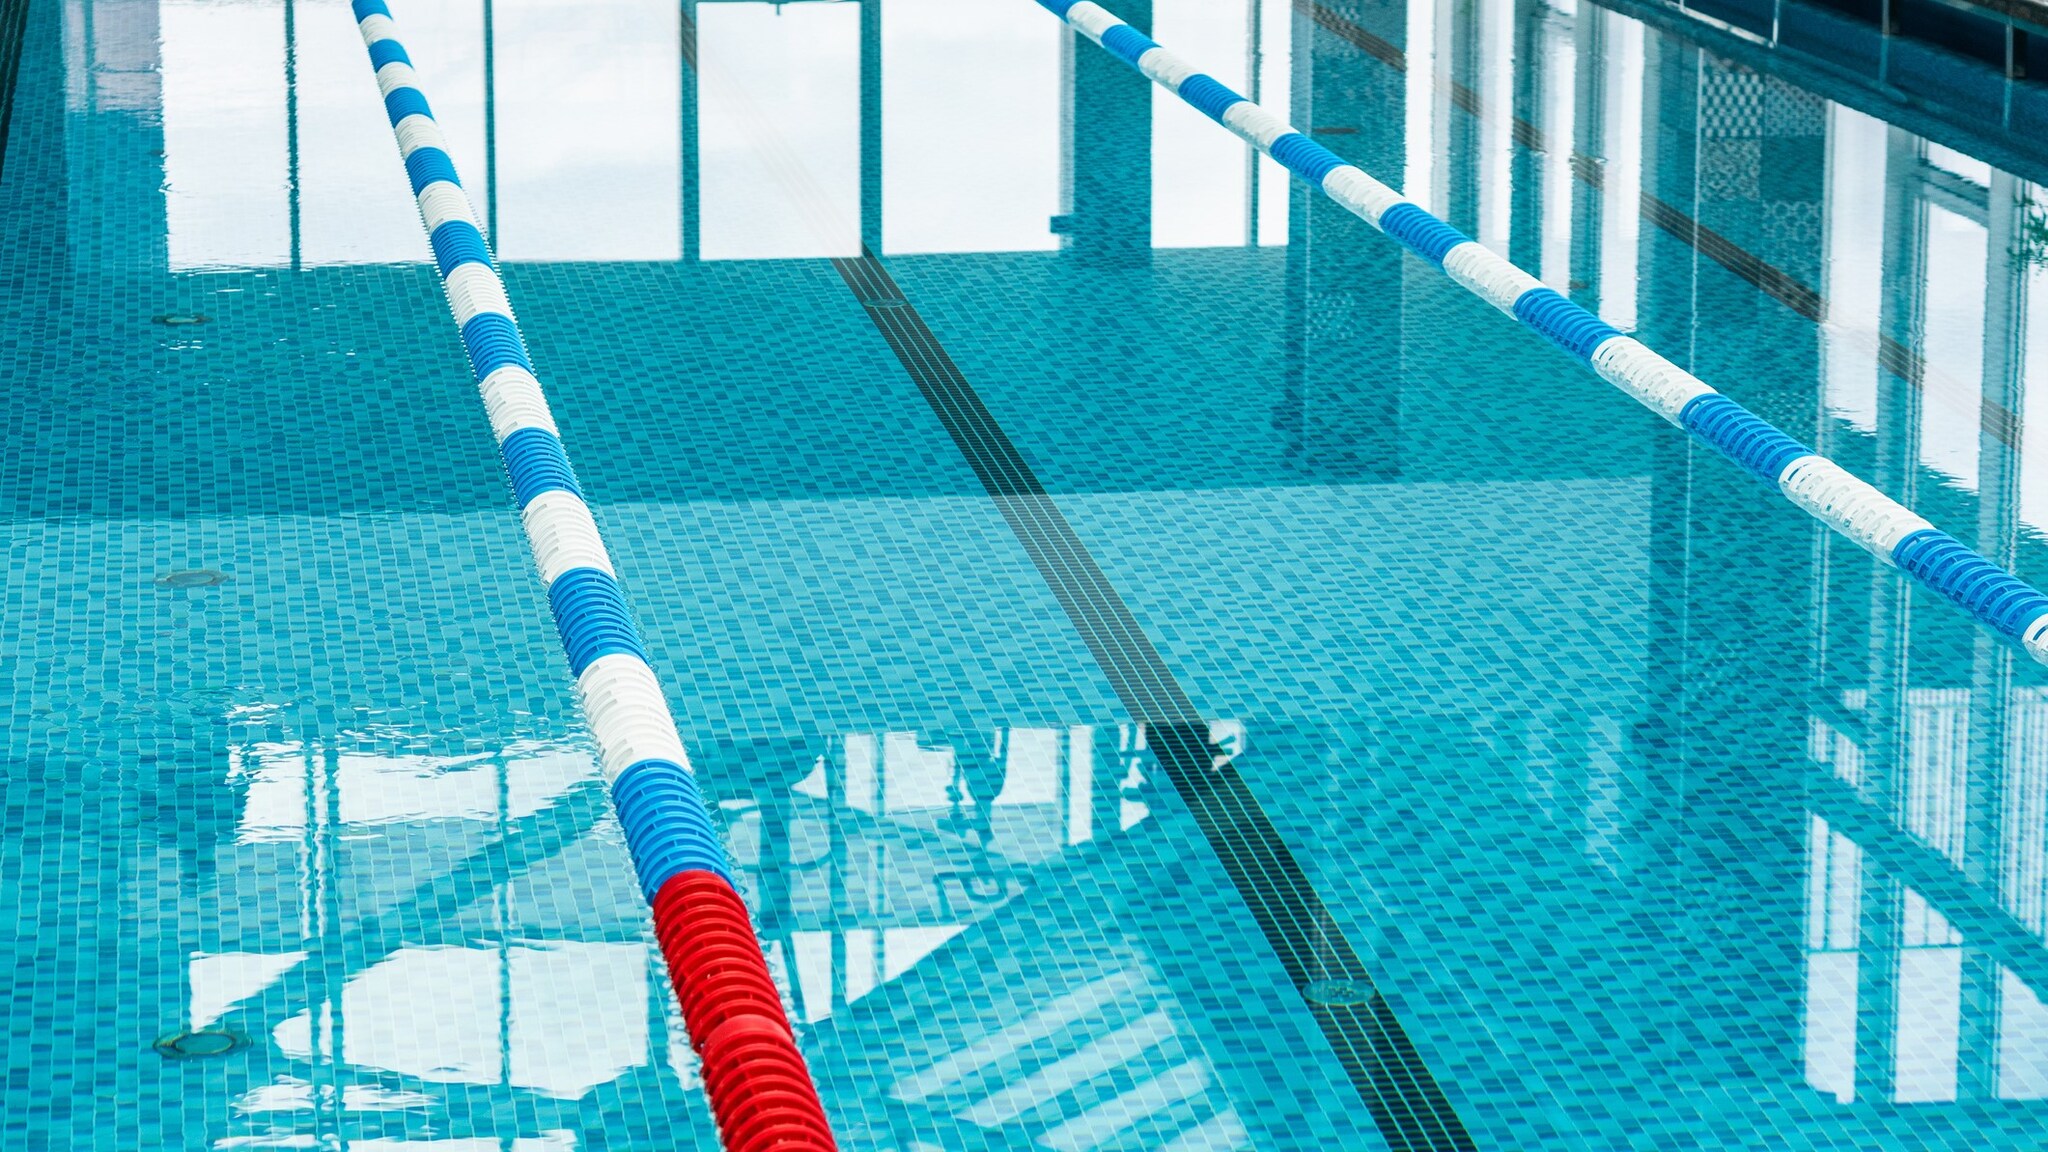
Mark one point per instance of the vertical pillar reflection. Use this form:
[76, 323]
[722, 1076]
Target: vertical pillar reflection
[1882, 930]
[1346, 405]
[871, 124]
[1525, 246]
[1991, 663]
[691, 174]
[1107, 106]
[1589, 155]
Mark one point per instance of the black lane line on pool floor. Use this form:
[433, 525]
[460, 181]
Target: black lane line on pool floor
[1407, 1105]
[13, 34]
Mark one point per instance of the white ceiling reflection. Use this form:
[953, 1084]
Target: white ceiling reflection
[219, 981]
[388, 788]
[291, 163]
[559, 1018]
[970, 126]
[589, 158]
[354, 203]
[289, 1094]
[778, 135]
[867, 959]
[558, 1140]
[1200, 194]
[226, 176]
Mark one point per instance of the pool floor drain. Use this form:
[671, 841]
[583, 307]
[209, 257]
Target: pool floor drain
[1337, 993]
[200, 1044]
[192, 578]
[178, 319]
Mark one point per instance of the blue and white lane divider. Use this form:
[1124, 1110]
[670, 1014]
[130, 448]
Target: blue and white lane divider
[641, 753]
[1889, 530]
[668, 828]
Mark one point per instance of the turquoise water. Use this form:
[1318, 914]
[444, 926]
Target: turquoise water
[1655, 816]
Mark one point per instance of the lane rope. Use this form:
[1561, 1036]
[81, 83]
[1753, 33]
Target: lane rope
[1888, 530]
[761, 1092]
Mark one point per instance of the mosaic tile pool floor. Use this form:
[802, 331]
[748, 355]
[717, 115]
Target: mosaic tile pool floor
[1651, 814]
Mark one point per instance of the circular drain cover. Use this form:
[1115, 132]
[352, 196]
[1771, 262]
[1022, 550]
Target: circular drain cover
[1338, 993]
[196, 1045]
[174, 319]
[192, 578]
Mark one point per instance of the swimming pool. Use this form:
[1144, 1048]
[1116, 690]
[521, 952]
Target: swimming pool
[951, 402]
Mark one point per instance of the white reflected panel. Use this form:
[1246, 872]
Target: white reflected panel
[226, 183]
[2023, 863]
[913, 776]
[778, 138]
[1276, 86]
[1200, 196]
[2022, 1041]
[579, 1015]
[570, 1015]
[1559, 123]
[557, 1140]
[1080, 784]
[1831, 1023]
[1930, 1005]
[1853, 253]
[221, 980]
[1423, 121]
[1953, 345]
[589, 127]
[863, 780]
[1496, 78]
[970, 126]
[425, 1012]
[1833, 889]
[1620, 217]
[814, 973]
[355, 205]
[1949, 160]
[1833, 897]
[1033, 767]
[902, 948]
[381, 788]
[1938, 744]
[2033, 345]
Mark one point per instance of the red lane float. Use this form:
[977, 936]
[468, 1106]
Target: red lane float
[760, 1089]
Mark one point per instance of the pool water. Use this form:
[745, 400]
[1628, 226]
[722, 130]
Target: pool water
[1172, 670]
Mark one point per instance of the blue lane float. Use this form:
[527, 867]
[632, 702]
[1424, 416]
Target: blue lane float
[1892, 532]
[761, 1090]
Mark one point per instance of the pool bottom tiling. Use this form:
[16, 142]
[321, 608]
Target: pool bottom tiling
[1167, 668]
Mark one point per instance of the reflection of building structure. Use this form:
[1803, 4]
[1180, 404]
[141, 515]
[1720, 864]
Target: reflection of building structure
[1732, 217]
[1930, 374]
[402, 994]
[1892, 902]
